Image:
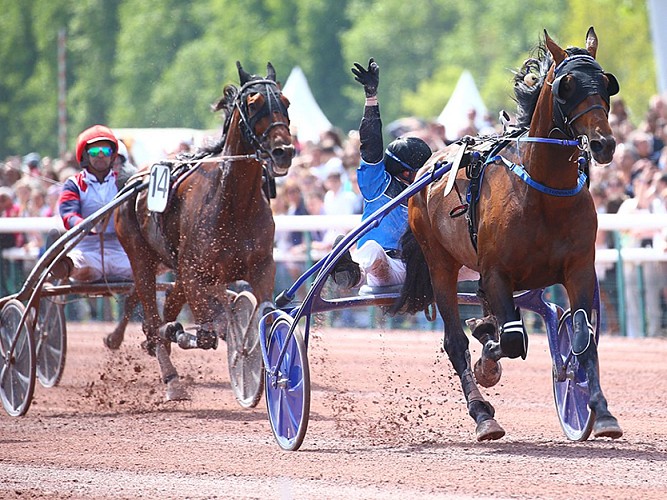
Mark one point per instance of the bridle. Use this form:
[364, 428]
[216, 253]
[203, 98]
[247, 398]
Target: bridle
[588, 75]
[273, 104]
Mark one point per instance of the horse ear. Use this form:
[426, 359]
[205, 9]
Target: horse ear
[271, 72]
[556, 52]
[244, 76]
[591, 42]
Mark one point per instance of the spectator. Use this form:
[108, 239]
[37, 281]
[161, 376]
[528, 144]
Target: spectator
[322, 240]
[471, 127]
[649, 272]
[8, 209]
[337, 200]
[328, 155]
[31, 164]
[23, 190]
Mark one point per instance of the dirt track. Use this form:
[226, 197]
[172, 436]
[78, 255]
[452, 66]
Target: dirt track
[387, 421]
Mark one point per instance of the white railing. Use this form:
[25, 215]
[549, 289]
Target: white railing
[342, 224]
[607, 222]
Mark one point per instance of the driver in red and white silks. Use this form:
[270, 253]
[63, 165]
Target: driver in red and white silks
[83, 194]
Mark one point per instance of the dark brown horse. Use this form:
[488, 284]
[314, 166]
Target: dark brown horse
[217, 229]
[534, 224]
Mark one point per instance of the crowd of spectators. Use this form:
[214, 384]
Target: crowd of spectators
[322, 181]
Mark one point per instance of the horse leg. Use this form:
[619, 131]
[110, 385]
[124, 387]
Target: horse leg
[457, 347]
[511, 340]
[584, 347]
[487, 370]
[114, 340]
[210, 305]
[144, 273]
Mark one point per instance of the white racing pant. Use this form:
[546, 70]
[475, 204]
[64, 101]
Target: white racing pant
[378, 269]
[87, 260]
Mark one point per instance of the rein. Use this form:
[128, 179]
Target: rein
[519, 170]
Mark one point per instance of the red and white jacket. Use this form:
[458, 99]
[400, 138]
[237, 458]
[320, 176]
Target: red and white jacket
[83, 195]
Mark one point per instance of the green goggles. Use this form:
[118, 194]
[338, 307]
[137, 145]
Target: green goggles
[105, 150]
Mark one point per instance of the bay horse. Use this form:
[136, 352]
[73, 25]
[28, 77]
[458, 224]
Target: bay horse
[530, 223]
[217, 228]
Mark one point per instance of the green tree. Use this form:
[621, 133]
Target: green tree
[18, 59]
[319, 25]
[404, 41]
[150, 34]
[91, 55]
[161, 63]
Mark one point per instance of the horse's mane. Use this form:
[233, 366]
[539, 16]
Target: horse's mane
[226, 105]
[526, 95]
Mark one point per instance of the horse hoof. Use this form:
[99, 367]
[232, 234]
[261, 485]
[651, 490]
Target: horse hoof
[487, 372]
[489, 430]
[149, 347]
[176, 391]
[112, 342]
[607, 427]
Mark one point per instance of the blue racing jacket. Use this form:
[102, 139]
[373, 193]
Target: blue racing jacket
[377, 186]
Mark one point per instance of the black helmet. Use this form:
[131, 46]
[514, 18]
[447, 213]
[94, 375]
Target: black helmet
[406, 153]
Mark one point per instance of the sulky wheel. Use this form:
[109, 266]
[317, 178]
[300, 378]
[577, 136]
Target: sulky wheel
[571, 391]
[288, 391]
[244, 354]
[17, 348]
[50, 342]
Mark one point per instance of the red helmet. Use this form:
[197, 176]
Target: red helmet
[94, 134]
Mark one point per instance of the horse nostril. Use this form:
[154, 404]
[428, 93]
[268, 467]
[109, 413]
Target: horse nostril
[286, 151]
[597, 145]
[602, 144]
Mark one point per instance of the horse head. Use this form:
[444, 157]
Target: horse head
[265, 120]
[580, 92]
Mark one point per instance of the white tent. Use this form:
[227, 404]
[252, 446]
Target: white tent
[465, 97]
[304, 112]
[149, 145]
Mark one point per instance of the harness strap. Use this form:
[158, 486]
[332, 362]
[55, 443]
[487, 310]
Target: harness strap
[520, 171]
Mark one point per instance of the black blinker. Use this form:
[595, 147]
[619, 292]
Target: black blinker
[613, 87]
[555, 89]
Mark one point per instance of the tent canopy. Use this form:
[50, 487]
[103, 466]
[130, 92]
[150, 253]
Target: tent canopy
[150, 145]
[304, 112]
[464, 98]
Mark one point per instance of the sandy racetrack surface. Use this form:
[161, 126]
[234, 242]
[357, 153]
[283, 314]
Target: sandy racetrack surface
[387, 420]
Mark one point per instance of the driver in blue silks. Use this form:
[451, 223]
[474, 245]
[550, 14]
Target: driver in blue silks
[382, 175]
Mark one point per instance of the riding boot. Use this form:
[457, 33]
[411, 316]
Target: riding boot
[346, 272]
[62, 269]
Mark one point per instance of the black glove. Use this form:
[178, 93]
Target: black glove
[369, 78]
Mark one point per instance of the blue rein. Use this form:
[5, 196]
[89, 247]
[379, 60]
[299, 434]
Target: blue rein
[521, 172]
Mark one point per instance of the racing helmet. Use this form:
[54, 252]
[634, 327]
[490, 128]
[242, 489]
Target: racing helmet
[406, 153]
[94, 134]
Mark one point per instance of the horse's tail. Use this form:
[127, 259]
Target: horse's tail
[417, 292]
